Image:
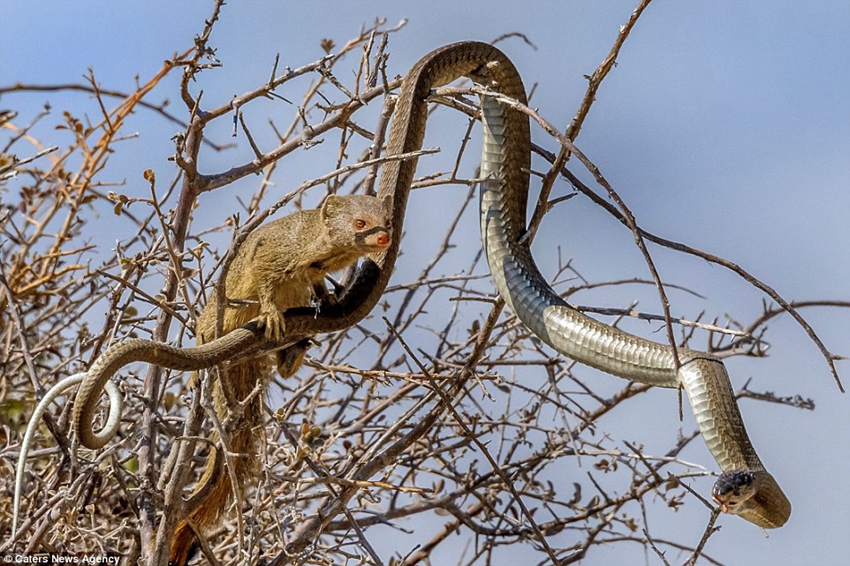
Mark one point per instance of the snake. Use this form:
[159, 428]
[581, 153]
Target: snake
[744, 488]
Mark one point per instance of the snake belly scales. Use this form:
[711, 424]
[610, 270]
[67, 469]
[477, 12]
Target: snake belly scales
[505, 165]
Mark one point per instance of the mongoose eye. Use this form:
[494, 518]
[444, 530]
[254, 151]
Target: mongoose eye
[359, 223]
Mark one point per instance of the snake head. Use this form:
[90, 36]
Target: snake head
[732, 489]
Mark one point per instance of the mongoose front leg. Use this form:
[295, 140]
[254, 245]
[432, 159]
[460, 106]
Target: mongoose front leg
[321, 295]
[290, 359]
[270, 315]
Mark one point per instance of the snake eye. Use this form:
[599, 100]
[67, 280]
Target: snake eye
[359, 223]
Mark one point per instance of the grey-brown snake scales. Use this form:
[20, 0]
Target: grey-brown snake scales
[745, 488]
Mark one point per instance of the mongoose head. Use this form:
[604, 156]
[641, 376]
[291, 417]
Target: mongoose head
[357, 222]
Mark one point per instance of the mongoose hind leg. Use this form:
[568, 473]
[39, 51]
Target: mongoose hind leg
[290, 359]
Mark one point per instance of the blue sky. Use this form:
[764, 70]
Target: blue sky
[725, 125]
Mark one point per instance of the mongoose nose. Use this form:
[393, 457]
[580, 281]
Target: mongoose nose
[383, 239]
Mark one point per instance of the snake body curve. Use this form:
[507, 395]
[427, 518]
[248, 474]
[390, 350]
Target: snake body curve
[746, 488]
[236, 343]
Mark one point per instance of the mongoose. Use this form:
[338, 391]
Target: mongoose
[280, 265]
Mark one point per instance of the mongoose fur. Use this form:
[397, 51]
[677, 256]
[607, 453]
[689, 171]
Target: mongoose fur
[280, 265]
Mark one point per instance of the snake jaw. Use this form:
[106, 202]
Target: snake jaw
[732, 489]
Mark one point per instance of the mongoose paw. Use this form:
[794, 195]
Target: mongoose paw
[274, 325]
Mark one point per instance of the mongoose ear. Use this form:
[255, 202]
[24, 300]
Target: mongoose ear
[331, 205]
[387, 204]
